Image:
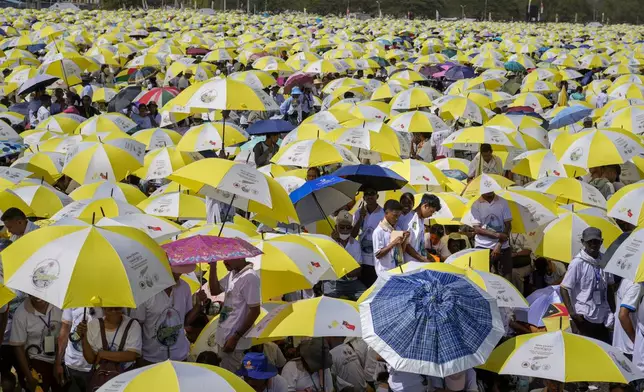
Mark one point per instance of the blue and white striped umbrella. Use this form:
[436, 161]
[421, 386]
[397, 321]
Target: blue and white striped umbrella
[431, 323]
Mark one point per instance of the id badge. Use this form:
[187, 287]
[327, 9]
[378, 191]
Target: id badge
[50, 345]
[597, 297]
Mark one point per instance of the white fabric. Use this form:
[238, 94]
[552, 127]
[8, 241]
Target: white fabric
[30, 328]
[277, 384]
[437, 140]
[425, 152]
[162, 318]
[403, 221]
[346, 365]
[416, 228]
[470, 382]
[133, 341]
[299, 379]
[369, 224]
[495, 166]
[74, 358]
[41, 115]
[440, 248]
[405, 382]
[628, 296]
[242, 291]
[88, 90]
[554, 277]
[580, 282]
[12, 306]
[381, 239]
[490, 216]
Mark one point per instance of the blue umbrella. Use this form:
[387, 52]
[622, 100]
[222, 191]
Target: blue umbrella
[265, 127]
[459, 72]
[430, 322]
[539, 302]
[10, 148]
[372, 177]
[569, 116]
[513, 66]
[317, 199]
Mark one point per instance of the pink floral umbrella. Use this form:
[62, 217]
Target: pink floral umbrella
[207, 249]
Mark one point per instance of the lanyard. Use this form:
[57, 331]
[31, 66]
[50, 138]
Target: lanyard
[48, 322]
[315, 388]
[598, 278]
[114, 337]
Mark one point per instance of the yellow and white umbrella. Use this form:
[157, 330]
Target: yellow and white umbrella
[43, 200]
[225, 94]
[158, 228]
[61, 123]
[541, 163]
[93, 209]
[486, 183]
[569, 189]
[419, 173]
[105, 189]
[157, 137]
[414, 98]
[215, 229]
[627, 204]
[471, 138]
[599, 147]
[160, 163]
[173, 376]
[66, 264]
[417, 121]
[211, 136]
[256, 79]
[175, 205]
[12, 176]
[106, 123]
[452, 208]
[312, 153]
[44, 165]
[111, 160]
[561, 238]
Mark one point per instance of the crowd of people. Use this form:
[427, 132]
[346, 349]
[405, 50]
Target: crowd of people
[80, 349]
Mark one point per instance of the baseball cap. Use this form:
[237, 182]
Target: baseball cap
[344, 217]
[591, 233]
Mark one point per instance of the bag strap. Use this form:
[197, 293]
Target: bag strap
[101, 323]
[124, 337]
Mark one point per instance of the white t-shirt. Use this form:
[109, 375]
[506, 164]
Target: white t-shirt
[369, 224]
[425, 152]
[405, 382]
[470, 381]
[277, 384]
[381, 239]
[346, 365]
[74, 358]
[403, 221]
[242, 291]
[297, 378]
[416, 229]
[133, 341]
[490, 216]
[495, 166]
[30, 328]
[12, 306]
[440, 248]
[162, 318]
[581, 281]
[555, 276]
[437, 140]
[628, 296]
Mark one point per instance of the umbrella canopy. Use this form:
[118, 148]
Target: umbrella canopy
[317, 199]
[206, 249]
[264, 127]
[445, 323]
[372, 177]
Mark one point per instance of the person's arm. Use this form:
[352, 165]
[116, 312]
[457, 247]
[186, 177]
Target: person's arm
[413, 253]
[63, 338]
[18, 340]
[213, 281]
[116, 356]
[23, 365]
[565, 296]
[382, 252]
[251, 317]
[357, 224]
[479, 230]
[191, 316]
[626, 322]
[610, 291]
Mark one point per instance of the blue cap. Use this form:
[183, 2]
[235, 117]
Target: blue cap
[296, 91]
[256, 366]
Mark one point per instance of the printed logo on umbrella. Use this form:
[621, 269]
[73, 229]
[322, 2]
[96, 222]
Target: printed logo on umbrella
[45, 273]
[209, 96]
[345, 324]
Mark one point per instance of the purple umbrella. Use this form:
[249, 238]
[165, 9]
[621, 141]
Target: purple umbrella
[299, 79]
[459, 72]
[207, 248]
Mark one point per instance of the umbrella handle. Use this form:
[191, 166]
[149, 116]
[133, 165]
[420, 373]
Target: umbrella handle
[322, 211]
[230, 205]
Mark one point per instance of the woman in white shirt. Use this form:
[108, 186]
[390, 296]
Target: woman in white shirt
[119, 330]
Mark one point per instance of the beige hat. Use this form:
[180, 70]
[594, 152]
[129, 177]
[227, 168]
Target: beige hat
[344, 217]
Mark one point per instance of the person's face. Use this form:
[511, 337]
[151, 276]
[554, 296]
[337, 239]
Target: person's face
[235, 264]
[434, 238]
[370, 197]
[610, 174]
[311, 175]
[16, 226]
[113, 313]
[552, 386]
[59, 94]
[592, 247]
[407, 204]
[87, 101]
[487, 156]
[392, 216]
[152, 109]
[143, 111]
[257, 385]
[488, 196]
[426, 211]
[344, 228]
[37, 302]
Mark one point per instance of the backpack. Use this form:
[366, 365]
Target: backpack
[105, 370]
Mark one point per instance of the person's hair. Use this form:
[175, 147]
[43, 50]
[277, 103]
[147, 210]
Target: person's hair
[580, 89]
[426, 135]
[616, 387]
[486, 147]
[407, 195]
[432, 200]
[616, 168]
[451, 229]
[208, 358]
[382, 377]
[437, 230]
[316, 170]
[392, 205]
[540, 264]
[13, 213]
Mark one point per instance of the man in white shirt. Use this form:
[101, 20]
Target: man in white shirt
[492, 225]
[16, 223]
[388, 253]
[365, 221]
[627, 298]
[163, 318]
[602, 98]
[423, 146]
[348, 286]
[346, 364]
[490, 164]
[436, 141]
[587, 289]
[239, 311]
[416, 249]
[43, 111]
